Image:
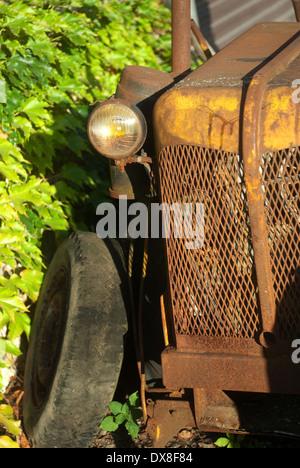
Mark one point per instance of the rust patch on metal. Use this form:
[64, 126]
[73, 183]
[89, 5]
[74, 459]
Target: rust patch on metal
[181, 36]
[243, 283]
[204, 108]
[256, 185]
[271, 373]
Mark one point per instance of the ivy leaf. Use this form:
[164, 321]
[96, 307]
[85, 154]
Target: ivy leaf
[9, 172]
[35, 109]
[13, 46]
[10, 301]
[31, 282]
[74, 173]
[8, 347]
[24, 125]
[7, 419]
[20, 325]
[2, 91]
[7, 442]
[10, 238]
[25, 193]
[15, 23]
[7, 149]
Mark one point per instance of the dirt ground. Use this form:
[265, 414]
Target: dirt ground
[188, 438]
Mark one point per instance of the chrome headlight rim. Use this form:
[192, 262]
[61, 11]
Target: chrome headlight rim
[140, 121]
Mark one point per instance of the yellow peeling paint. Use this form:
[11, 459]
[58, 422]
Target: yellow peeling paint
[210, 117]
[218, 102]
[280, 119]
[207, 117]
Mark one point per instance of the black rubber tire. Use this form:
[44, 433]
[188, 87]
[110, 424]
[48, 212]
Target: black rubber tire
[76, 345]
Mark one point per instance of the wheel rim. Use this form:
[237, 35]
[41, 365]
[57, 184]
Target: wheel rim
[49, 338]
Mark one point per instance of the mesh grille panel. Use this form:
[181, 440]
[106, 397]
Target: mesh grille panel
[280, 173]
[213, 288]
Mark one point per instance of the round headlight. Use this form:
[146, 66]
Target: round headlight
[117, 129]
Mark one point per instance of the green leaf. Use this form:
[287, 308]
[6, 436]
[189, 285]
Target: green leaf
[7, 419]
[222, 442]
[36, 110]
[7, 149]
[120, 418]
[9, 300]
[25, 193]
[20, 325]
[74, 173]
[15, 23]
[115, 407]
[7, 442]
[109, 424]
[24, 125]
[31, 283]
[134, 399]
[125, 409]
[10, 172]
[8, 347]
[3, 91]
[9, 238]
[13, 46]
[132, 428]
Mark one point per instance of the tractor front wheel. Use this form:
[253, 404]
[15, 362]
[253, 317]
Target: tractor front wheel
[75, 350]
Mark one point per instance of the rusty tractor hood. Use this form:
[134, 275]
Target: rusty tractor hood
[206, 108]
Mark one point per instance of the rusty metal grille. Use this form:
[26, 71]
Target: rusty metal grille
[280, 178]
[213, 288]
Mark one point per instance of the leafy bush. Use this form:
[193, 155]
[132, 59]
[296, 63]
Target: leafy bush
[127, 413]
[57, 58]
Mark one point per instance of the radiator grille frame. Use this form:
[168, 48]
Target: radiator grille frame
[214, 291]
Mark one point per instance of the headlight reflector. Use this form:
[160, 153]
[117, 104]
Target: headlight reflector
[117, 129]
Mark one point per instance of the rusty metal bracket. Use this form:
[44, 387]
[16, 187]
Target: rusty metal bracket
[251, 158]
[208, 52]
[215, 410]
[167, 418]
[143, 159]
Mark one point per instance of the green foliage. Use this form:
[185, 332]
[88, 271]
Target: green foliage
[56, 63]
[230, 441]
[57, 58]
[12, 426]
[127, 413]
